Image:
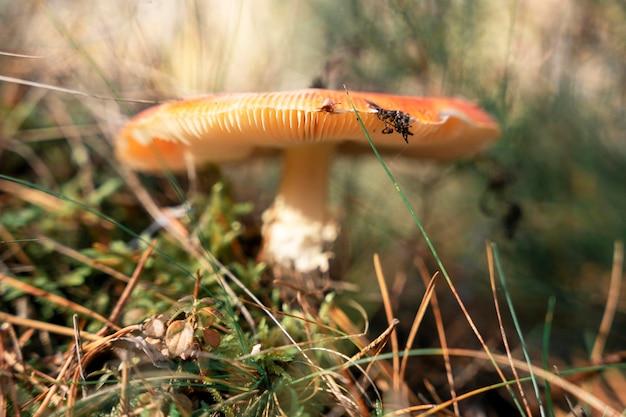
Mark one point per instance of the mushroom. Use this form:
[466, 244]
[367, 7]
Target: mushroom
[309, 126]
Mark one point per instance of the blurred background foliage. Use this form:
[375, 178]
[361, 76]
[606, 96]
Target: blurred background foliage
[551, 192]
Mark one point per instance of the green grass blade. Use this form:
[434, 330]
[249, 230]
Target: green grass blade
[518, 328]
[547, 330]
[431, 247]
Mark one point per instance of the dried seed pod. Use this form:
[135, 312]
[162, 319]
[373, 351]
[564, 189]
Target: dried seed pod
[179, 339]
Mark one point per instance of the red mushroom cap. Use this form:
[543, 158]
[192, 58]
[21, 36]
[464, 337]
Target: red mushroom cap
[227, 127]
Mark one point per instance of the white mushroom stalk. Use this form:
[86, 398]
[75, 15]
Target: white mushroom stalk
[296, 229]
[310, 126]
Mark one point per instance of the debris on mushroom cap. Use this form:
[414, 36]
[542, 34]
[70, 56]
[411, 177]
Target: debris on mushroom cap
[227, 127]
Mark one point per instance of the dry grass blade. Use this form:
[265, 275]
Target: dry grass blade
[505, 340]
[475, 330]
[55, 299]
[615, 385]
[377, 344]
[31, 195]
[9, 359]
[384, 293]
[583, 395]
[373, 349]
[357, 336]
[4, 53]
[611, 303]
[74, 254]
[69, 365]
[419, 316]
[427, 279]
[92, 351]
[44, 326]
[50, 201]
[610, 383]
[113, 273]
[51, 87]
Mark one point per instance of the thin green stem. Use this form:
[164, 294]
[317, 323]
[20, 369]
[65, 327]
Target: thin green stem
[518, 328]
[429, 243]
[547, 330]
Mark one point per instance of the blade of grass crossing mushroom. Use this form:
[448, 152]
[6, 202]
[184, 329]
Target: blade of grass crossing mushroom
[429, 243]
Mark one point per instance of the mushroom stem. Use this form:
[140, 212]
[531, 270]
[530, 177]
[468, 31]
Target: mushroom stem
[296, 229]
[304, 184]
